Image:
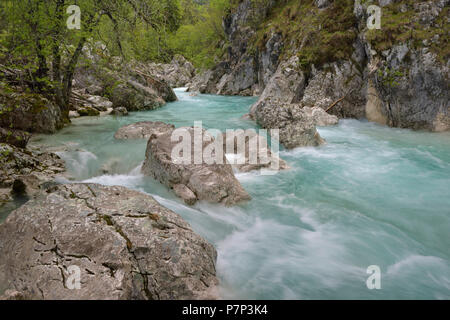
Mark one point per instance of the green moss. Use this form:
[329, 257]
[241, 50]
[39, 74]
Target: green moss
[324, 35]
[404, 27]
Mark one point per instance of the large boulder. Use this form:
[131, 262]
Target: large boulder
[297, 127]
[248, 151]
[105, 81]
[320, 117]
[122, 244]
[142, 130]
[214, 182]
[29, 112]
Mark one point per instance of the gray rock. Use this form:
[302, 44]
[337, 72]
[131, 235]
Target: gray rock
[185, 193]
[143, 130]
[123, 243]
[214, 183]
[320, 117]
[100, 103]
[26, 172]
[297, 128]
[120, 111]
[253, 149]
[286, 85]
[413, 93]
[178, 73]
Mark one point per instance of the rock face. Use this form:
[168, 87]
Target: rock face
[142, 130]
[25, 172]
[178, 73]
[320, 117]
[214, 182]
[117, 84]
[392, 76]
[242, 71]
[123, 243]
[250, 151]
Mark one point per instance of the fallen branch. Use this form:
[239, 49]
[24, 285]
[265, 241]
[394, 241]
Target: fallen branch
[338, 100]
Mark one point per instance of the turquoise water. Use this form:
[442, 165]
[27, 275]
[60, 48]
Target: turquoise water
[371, 196]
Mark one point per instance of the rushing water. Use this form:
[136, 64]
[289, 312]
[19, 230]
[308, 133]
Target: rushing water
[371, 196]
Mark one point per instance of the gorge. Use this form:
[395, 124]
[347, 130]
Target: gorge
[363, 119]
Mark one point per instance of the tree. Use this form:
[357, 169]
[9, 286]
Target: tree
[48, 50]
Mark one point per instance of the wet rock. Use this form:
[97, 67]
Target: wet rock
[320, 117]
[121, 242]
[120, 111]
[297, 128]
[249, 151]
[143, 130]
[214, 182]
[185, 193]
[118, 83]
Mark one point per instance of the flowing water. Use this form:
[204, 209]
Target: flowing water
[371, 196]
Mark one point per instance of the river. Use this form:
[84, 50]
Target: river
[371, 196]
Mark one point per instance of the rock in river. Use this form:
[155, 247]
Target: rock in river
[122, 244]
[142, 130]
[213, 182]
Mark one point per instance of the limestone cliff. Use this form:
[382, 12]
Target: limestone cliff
[322, 53]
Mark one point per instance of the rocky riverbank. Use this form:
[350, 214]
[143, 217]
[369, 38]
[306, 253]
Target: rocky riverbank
[397, 76]
[122, 243]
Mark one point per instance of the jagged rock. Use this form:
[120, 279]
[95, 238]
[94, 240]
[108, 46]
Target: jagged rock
[120, 84]
[17, 138]
[206, 82]
[123, 243]
[177, 73]
[27, 172]
[286, 85]
[296, 127]
[143, 130]
[185, 193]
[100, 103]
[320, 117]
[253, 151]
[214, 182]
[413, 93]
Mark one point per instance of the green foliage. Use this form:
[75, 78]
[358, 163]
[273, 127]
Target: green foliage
[318, 36]
[202, 40]
[403, 26]
[389, 77]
